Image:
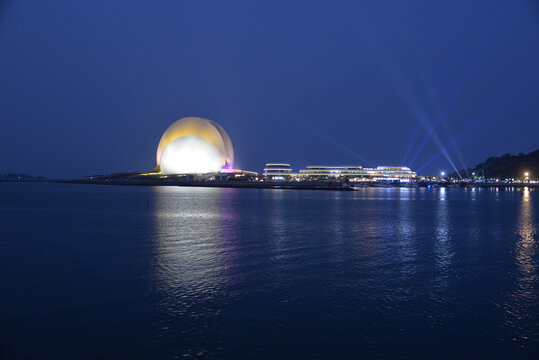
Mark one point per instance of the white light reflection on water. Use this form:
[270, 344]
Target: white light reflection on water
[473, 225]
[337, 217]
[280, 220]
[518, 306]
[443, 252]
[406, 231]
[192, 245]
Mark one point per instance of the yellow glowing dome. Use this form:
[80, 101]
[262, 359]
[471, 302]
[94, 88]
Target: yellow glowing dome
[195, 126]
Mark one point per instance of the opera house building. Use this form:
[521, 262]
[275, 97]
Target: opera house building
[193, 145]
[200, 149]
[198, 152]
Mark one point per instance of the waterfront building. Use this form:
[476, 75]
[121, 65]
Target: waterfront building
[354, 173]
[198, 147]
[330, 171]
[278, 171]
[390, 173]
[359, 173]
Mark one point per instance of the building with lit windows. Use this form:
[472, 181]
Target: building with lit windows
[276, 171]
[390, 173]
[359, 173]
[353, 173]
[334, 171]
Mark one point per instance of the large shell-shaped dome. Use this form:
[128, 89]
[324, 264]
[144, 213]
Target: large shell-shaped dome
[204, 128]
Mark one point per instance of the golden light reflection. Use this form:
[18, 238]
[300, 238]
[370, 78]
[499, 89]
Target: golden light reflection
[519, 304]
[525, 247]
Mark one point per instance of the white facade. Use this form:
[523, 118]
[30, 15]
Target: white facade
[349, 172]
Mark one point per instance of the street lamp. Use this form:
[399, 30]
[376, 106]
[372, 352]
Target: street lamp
[443, 173]
[527, 176]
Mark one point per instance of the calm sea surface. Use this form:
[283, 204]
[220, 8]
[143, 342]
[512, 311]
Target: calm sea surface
[89, 271]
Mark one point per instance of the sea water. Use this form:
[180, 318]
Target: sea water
[93, 271]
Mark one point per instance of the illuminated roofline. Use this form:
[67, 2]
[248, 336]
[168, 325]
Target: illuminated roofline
[393, 167]
[335, 167]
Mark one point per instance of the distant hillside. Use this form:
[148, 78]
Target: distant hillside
[507, 166]
[12, 177]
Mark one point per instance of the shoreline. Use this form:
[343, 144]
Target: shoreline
[336, 186]
[289, 185]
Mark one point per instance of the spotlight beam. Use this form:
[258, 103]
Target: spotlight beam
[434, 136]
[409, 147]
[463, 80]
[488, 116]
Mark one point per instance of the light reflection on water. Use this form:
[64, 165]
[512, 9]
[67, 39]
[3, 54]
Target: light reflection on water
[520, 302]
[406, 231]
[280, 221]
[443, 252]
[368, 253]
[225, 273]
[194, 247]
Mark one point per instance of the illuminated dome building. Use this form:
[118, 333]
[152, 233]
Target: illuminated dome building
[193, 145]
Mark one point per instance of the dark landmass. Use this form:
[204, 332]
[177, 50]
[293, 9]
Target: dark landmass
[21, 177]
[506, 167]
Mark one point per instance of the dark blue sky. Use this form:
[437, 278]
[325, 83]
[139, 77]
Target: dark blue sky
[89, 86]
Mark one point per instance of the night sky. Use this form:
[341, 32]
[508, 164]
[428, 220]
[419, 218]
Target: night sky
[88, 87]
